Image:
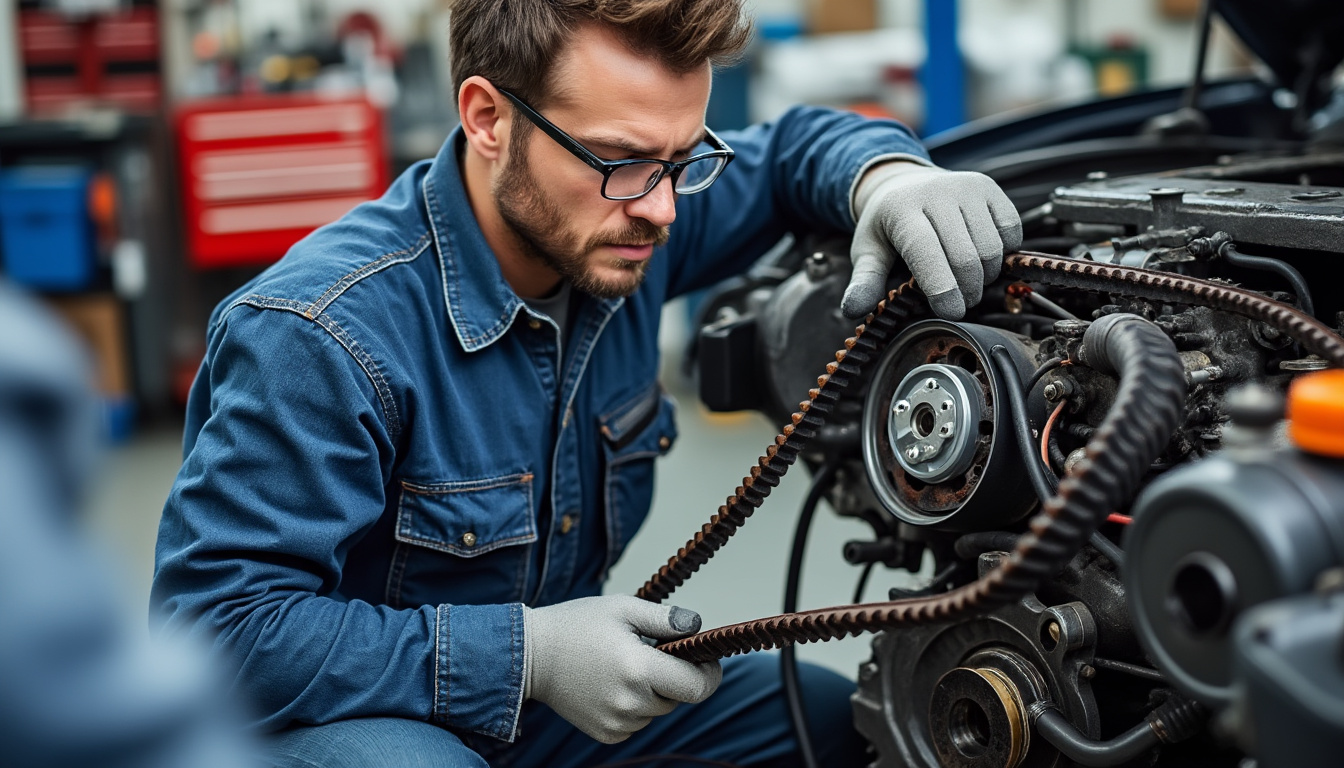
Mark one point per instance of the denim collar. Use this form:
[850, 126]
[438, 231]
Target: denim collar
[479, 300]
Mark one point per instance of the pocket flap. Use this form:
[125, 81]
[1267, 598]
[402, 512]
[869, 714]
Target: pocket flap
[622, 424]
[469, 517]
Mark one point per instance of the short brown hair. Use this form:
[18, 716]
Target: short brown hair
[513, 43]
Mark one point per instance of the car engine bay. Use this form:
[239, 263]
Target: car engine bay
[1124, 470]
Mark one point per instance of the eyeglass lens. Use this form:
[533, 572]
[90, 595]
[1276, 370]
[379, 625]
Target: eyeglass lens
[636, 179]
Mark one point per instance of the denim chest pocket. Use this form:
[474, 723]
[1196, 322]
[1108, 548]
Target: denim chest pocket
[464, 542]
[634, 433]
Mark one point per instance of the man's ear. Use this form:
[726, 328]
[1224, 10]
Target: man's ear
[485, 120]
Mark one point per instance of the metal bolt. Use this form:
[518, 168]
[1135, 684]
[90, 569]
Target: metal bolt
[946, 405]
[1053, 392]
[921, 452]
[1087, 672]
[946, 431]
[1053, 629]
[930, 383]
[818, 266]
[902, 406]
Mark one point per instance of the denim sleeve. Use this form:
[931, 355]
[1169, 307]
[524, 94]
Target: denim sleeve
[794, 175]
[286, 459]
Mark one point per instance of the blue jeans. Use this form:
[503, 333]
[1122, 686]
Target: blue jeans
[745, 723]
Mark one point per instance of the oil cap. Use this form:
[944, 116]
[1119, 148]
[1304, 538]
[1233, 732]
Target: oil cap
[1316, 413]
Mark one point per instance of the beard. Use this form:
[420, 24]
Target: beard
[539, 224]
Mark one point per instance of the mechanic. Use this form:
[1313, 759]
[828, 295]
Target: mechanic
[418, 443]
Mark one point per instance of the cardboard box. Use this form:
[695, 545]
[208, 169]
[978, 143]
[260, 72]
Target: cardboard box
[98, 320]
[825, 16]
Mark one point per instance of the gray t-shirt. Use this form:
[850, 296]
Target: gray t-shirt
[555, 306]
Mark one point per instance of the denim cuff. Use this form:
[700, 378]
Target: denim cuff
[478, 668]
[869, 164]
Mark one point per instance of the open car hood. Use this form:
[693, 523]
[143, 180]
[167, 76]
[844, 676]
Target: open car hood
[1290, 36]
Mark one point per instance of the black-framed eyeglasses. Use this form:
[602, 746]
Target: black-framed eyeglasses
[630, 179]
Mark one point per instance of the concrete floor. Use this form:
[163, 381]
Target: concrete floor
[712, 454]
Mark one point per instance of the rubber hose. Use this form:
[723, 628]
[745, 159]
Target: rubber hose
[788, 660]
[1281, 268]
[1052, 726]
[1017, 404]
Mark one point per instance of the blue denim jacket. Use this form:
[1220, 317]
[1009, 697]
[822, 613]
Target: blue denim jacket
[387, 453]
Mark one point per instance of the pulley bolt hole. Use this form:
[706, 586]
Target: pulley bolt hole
[901, 407]
[923, 420]
[969, 728]
[1050, 635]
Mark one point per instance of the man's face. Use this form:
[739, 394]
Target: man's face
[618, 104]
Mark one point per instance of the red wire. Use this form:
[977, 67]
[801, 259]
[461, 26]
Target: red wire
[1045, 433]
[1114, 517]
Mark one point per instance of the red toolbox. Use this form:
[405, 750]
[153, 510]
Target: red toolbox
[258, 173]
[109, 59]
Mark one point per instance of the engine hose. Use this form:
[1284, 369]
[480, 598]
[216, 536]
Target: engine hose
[1281, 268]
[1148, 406]
[1055, 728]
[1017, 404]
[1176, 720]
[788, 662]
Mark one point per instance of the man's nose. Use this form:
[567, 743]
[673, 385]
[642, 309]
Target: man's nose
[658, 207]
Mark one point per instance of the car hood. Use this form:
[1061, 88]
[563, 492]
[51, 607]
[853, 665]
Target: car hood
[1289, 34]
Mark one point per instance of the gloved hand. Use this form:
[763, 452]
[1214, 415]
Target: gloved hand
[952, 228]
[586, 661]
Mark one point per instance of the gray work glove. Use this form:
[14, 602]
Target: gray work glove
[586, 661]
[952, 228]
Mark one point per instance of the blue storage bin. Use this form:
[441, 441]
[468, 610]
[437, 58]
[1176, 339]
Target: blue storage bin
[46, 235]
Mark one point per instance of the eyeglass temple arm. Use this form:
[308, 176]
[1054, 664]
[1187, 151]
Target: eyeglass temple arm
[552, 130]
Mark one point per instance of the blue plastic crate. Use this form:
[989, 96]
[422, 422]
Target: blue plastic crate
[46, 235]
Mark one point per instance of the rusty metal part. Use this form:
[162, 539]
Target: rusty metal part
[864, 346]
[1054, 534]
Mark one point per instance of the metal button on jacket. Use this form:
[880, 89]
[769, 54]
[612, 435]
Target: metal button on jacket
[468, 539]
[566, 524]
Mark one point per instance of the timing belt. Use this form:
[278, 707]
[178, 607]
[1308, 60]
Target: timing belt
[867, 343]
